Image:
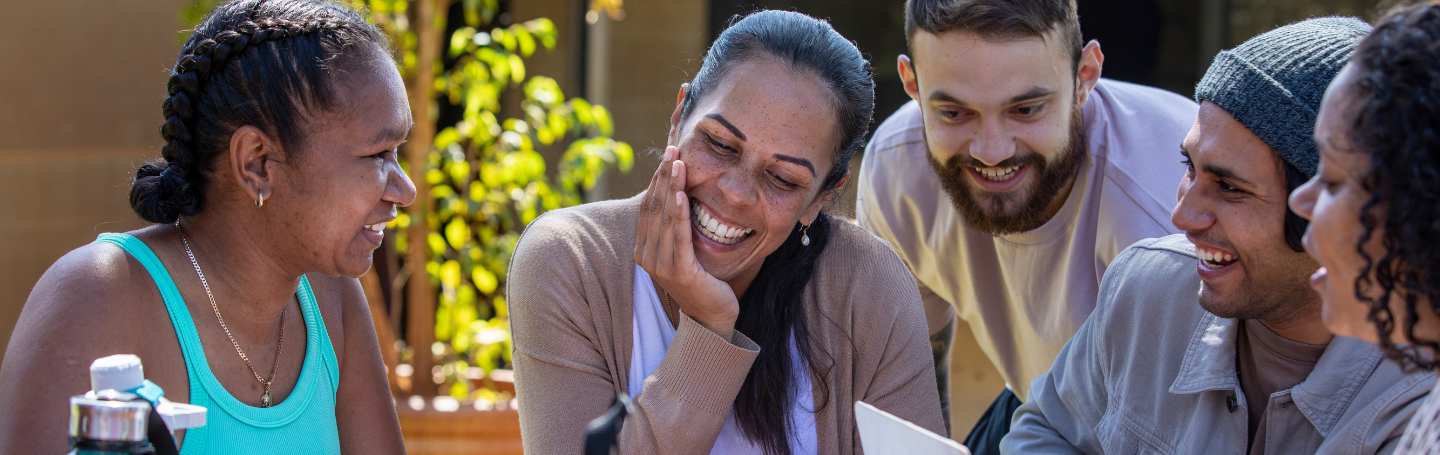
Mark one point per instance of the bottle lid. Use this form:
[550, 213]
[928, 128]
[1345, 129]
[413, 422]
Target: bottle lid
[108, 417]
[118, 372]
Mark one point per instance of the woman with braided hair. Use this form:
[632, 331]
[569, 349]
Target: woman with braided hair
[1374, 204]
[277, 177]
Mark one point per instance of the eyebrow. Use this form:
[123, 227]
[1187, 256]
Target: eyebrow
[392, 134]
[1226, 173]
[945, 97]
[727, 125]
[1029, 94]
[799, 161]
[1032, 93]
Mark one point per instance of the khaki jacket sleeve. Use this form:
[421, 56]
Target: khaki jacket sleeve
[564, 377]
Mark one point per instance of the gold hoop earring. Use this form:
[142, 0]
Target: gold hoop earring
[804, 235]
[260, 203]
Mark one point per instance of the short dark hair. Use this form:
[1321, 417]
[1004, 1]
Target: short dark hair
[1398, 126]
[997, 19]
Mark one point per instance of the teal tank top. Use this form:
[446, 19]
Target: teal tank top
[302, 424]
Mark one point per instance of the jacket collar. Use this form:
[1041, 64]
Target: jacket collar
[1322, 397]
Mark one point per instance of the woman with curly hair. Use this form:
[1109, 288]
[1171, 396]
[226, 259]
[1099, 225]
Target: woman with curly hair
[1374, 205]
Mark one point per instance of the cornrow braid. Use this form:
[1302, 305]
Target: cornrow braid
[206, 101]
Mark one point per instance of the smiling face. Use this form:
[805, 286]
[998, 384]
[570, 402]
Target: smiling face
[756, 149]
[333, 198]
[1333, 201]
[1002, 122]
[1231, 205]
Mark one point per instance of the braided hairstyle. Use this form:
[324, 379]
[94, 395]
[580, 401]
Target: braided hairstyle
[1398, 126]
[271, 64]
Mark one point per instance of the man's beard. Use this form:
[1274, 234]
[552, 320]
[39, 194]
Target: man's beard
[1002, 214]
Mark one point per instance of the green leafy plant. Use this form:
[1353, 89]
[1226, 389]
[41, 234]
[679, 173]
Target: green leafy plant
[486, 176]
[488, 182]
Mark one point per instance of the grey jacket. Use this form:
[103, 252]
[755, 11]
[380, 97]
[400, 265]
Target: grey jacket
[1153, 373]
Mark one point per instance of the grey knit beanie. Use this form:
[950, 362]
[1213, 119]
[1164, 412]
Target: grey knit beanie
[1273, 83]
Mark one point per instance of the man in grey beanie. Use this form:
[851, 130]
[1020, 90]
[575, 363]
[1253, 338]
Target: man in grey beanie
[1251, 367]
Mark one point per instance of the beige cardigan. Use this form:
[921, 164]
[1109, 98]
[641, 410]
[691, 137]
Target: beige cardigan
[570, 302]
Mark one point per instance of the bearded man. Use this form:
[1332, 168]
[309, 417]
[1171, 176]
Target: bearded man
[1014, 178]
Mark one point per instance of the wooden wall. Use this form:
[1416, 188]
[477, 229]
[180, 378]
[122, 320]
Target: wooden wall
[80, 94]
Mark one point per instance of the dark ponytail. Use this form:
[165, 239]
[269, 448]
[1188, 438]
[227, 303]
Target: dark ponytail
[771, 309]
[250, 62]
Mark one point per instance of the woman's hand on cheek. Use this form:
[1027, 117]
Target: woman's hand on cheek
[663, 247]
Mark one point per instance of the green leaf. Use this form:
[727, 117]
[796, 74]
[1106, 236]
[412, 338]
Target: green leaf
[456, 233]
[460, 39]
[525, 40]
[446, 137]
[436, 243]
[506, 39]
[472, 12]
[485, 280]
[624, 155]
[544, 29]
[459, 390]
[450, 274]
[582, 111]
[602, 120]
[459, 171]
[517, 68]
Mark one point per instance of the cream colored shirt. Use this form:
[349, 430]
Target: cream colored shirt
[1024, 295]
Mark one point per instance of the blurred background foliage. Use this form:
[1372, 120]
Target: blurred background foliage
[486, 179]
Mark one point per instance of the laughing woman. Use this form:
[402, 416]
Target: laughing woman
[1374, 205]
[278, 172]
[736, 314]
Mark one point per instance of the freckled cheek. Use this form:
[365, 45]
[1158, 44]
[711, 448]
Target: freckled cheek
[782, 211]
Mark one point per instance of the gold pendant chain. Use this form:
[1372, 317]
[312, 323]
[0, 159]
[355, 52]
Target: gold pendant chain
[265, 399]
[669, 309]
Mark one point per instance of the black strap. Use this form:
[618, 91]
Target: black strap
[159, 435]
[603, 433]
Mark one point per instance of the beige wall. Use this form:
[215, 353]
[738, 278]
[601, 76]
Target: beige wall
[80, 97]
[655, 48]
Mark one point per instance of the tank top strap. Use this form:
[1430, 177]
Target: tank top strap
[185, 332]
[315, 326]
[205, 389]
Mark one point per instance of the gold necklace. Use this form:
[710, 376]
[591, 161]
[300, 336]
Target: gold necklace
[669, 308]
[265, 399]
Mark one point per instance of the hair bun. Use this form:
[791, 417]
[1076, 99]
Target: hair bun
[161, 193]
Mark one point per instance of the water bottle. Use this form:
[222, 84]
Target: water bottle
[125, 414]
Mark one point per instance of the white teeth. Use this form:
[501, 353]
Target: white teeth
[997, 174]
[1215, 258]
[715, 230]
[378, 227]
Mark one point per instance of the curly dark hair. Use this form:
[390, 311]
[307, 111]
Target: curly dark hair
[1398, 125]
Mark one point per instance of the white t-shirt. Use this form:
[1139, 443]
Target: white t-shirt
[652, 337]
[1024, 295]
